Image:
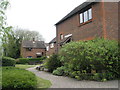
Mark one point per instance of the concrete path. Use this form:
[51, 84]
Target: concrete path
[66, 82]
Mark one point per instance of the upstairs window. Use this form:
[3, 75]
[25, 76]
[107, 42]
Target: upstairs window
[86, 16]
[61, 36]
[47, 48]
[52, 45]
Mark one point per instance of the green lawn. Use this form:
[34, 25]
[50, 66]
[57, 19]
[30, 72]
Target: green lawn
[41, 83]
[24, 66]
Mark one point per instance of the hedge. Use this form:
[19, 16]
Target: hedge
[99, 55]
[15, 78]
[7, 61]
[30, 60]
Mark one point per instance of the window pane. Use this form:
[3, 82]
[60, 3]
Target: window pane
[61, 36]
[90, 13]
[81, 18]
[52, 45]
[85, 16]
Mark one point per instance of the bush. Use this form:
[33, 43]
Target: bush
[22, 61]
[15, 78]
[59, 71]
[30, 60]
[7, 61]
[52, 63]
[85, 56]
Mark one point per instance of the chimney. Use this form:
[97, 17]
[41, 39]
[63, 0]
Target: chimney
[33, 39]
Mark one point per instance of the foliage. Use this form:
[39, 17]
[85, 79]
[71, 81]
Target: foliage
[15, 78]
[30, 60]
[10, 43]
[85, 56]
[7, 61]
[59, 71]
[25, 34]
[52, 63]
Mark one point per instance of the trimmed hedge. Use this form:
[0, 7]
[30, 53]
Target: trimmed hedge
[99, 55]
[15, 78]
[30, 60]
[7, 61]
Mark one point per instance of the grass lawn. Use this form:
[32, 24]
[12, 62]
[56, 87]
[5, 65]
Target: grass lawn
[41, 83]
[24, 66]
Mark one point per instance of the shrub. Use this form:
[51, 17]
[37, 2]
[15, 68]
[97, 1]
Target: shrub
[52, 63]
[7, 61]
[30, 60]
[59, 71]
[22, 61]
[15, 78]
[85, 56]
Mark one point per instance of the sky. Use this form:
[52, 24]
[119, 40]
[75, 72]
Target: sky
[39, 15]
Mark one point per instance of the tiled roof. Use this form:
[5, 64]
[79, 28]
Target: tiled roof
[33, 44]
[74, 11]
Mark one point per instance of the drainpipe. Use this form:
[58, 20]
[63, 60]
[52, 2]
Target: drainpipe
[104, 20]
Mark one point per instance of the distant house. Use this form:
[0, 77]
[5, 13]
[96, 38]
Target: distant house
[51, 47]
[88, 21]
[33, 49]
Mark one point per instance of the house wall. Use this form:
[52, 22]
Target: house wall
[25, 53]
[104, 24]
[111, 20]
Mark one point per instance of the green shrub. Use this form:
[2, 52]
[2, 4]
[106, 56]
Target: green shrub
[52, 63]
[59, 71]
[99, 55]
[30, 60]
[15, 78]
[22, 61]
[7, 61]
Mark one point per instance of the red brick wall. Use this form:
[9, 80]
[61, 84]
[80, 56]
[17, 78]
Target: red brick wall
[111, 19]
[104, 24]
[25, 53]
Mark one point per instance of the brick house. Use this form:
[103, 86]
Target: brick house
[33, 49]
[88, 21]
[51, 47]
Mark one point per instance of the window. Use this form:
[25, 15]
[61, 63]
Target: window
[90, 14]
[47, 48]
[28, 49]
[29, 56]
[61, 36]
[81, 18]
[86, 16]
[51, 45]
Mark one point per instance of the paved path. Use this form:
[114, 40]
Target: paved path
[66, 82]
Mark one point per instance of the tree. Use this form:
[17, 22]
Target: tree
[8, 42]
[25, 34]
[3, 7]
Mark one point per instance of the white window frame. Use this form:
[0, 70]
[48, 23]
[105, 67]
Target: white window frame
[85, 16]
[61, 36]
[52, 45]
